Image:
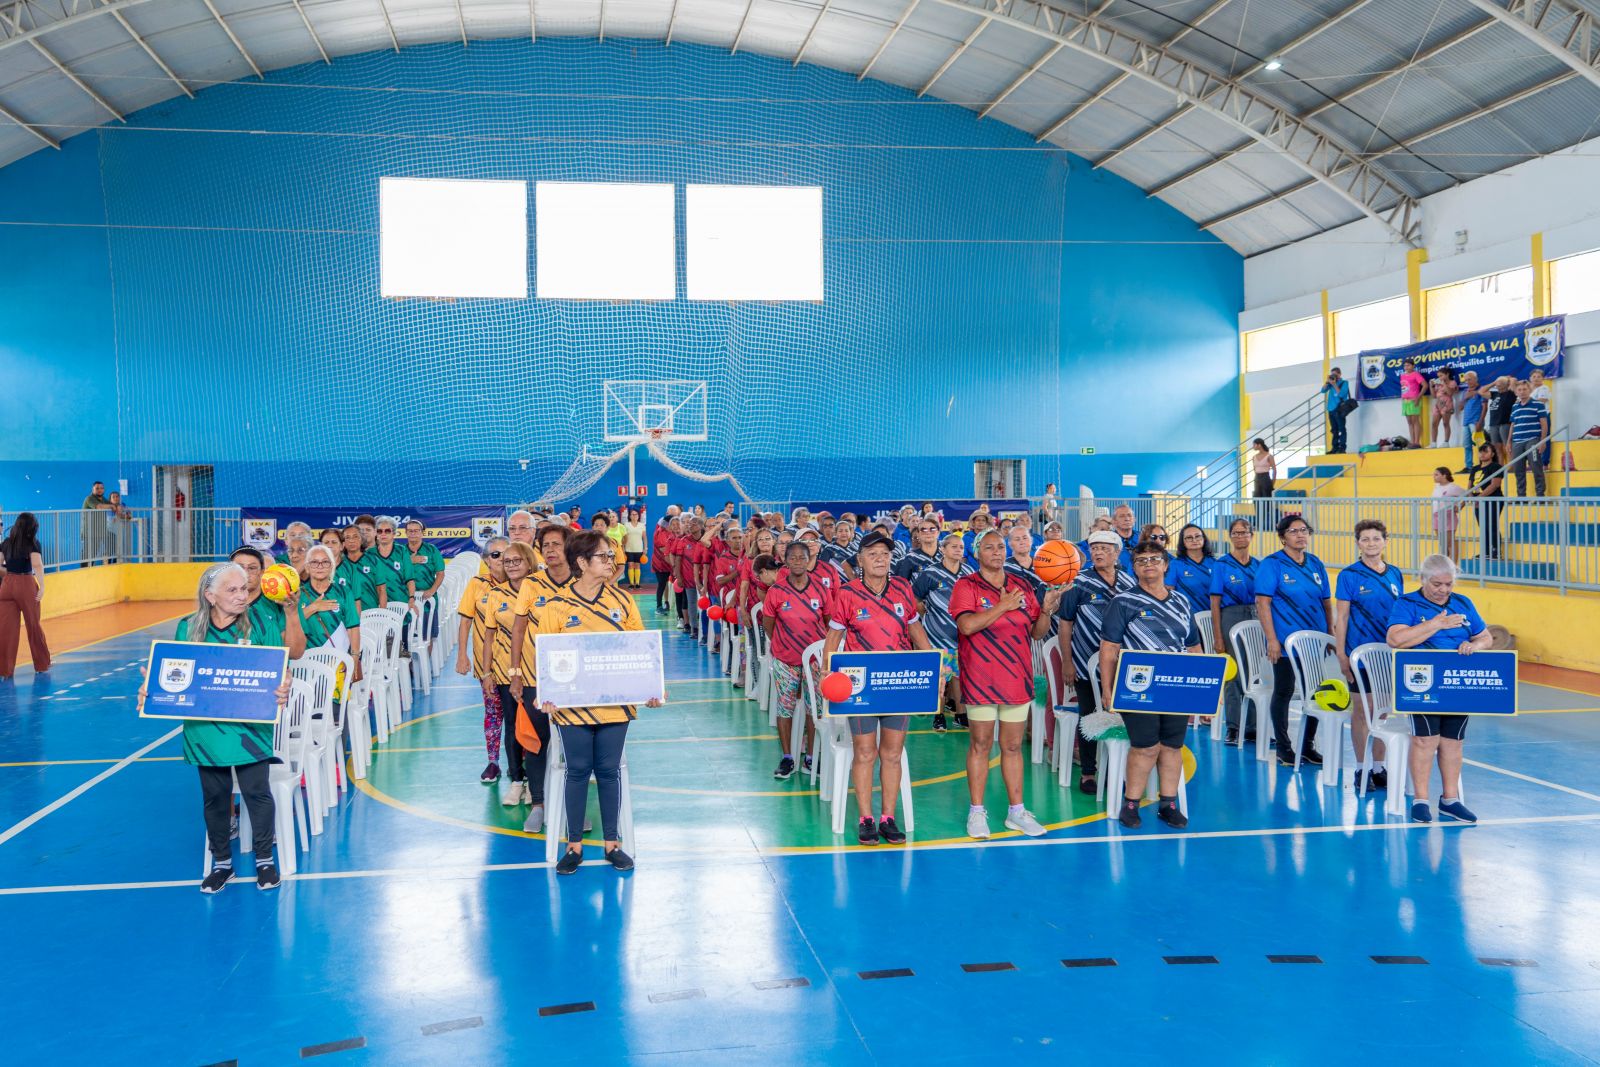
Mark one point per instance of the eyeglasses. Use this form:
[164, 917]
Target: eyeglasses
[494, 555]
[1149, 561]
[604, 555]
[1297, 529]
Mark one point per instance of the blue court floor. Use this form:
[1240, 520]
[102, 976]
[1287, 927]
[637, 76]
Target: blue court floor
[1288, 925]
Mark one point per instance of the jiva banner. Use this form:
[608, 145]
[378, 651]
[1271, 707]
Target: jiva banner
[451, 530]
[1518, 350]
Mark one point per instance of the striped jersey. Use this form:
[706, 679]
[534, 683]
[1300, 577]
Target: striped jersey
[1084, 605]
[611, 610]
[1136, 620]
[874, 622]
[1525, 420]
[932, 589]
[474, 607]
[997, 661]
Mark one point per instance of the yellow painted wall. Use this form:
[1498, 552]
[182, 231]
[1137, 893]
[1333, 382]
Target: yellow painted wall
[94, 587]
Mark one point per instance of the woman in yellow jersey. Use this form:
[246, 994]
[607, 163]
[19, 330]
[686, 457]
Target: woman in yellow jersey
[592, 738]
[501, 659]
[474, 613]
[531, 598]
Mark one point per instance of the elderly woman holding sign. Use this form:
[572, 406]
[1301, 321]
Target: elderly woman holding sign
[1435, 616]
[223, 750]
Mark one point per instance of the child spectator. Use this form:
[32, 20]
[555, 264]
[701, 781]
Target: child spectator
[1411, 386]
[1443, 387]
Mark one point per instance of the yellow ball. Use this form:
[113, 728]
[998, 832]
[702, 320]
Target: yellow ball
[1230, 669]
[1332, 695]
[279, 583]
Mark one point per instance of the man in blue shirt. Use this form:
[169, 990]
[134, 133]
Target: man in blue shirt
[1337, 391]
[1292, 594]
[1471, 418]
[1435, 616]
[1530, 423]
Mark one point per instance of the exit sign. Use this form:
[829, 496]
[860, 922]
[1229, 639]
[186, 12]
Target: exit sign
[1089, 451]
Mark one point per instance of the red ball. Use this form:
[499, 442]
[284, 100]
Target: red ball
[836, 688]
[677, 586]
[704, 602]
[714, 613]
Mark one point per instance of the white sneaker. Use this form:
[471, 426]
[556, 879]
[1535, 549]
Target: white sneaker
[978, 824]
[510, 793]
[535, 820]
[1025, 823]
[527, 791]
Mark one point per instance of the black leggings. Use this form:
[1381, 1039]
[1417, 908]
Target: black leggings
[216, 791]
[522, 765]
[663, 590]
[595, 750]
[1282, 691]
[1088, 751]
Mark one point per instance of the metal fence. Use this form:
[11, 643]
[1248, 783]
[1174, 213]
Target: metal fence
[136, 535]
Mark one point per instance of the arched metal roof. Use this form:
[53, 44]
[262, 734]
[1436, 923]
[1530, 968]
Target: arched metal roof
[1265, 121]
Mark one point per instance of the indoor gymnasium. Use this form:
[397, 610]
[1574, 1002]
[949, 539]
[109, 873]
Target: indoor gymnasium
[766, 532]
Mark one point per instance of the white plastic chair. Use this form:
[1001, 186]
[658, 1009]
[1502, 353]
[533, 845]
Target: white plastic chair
[1373, 666]
[1038, 711]
[1255, 684]
[754, 639]
[725, 646]
[810, 704]
[321, 778]
[1202, 622]
[421, 662]
[283, 778]
[1311, 654]
[380, 634]
[555, 803]
[358, 729]
[1064, 708]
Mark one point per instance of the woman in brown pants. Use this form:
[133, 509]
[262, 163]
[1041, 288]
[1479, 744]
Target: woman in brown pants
[20, 593]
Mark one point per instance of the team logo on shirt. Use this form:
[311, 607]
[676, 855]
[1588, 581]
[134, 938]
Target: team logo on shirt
[1419, 677]
[900, 611]
[983, 602]
[1372, 372]
[616, 616]
[814, 604]
[572, 620]
[175, 674]
[1138, 677]
[1317, 578]
[564, 664]
[540, 600]
[862, 614]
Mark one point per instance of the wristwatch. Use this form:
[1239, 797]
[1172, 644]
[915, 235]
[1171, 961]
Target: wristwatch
[515, 672]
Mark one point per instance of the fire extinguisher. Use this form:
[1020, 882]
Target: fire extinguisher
[178, 501]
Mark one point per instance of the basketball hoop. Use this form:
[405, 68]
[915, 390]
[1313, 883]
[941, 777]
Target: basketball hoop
[656, 433]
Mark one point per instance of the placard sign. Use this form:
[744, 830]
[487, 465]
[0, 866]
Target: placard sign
[1432, 681]
[1168, 683]
[220, 683]
[888, 683]
[591, 670]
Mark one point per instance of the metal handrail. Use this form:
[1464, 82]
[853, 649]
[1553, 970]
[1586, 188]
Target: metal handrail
[1297, 429]
[77, 537]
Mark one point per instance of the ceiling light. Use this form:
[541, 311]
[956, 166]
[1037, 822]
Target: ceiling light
[1274, 64]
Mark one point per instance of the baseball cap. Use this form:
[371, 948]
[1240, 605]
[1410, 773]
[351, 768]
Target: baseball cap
[873, 539]
[1105, 537]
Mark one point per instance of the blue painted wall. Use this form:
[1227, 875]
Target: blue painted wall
[202, 287]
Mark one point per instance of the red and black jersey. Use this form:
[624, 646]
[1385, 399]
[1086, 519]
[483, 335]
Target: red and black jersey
[997, 661]
[799, 616]
[874, 623]
[758, 589]
[661, 548]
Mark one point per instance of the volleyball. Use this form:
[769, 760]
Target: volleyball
[1057, 562]
[836, 688]
[1332, 695]
[279, 583]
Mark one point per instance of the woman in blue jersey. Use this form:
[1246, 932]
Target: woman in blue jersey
[1189, 571]
[932, 587]
[1292, 594]
[1233, 600]
[1362, 598]
[1435, 616]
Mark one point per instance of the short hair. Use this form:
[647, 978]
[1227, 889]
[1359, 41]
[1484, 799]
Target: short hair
[302, 539]
[1241, 521]
[1435, 565]
[1290, 519]
[1145, 548]
[524, 551]
[297, 522]
[1371, 524]
[347, 529]
[525, 514]
[767, 562]
[563, 532]
[790, 547]
[582, 545]
[418, 523]
[365, 520]
[324, 549]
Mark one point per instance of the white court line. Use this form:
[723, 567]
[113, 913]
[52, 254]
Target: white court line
[442, 873]
[1531, 778]
[86, 786]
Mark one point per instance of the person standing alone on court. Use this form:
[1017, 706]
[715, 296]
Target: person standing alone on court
[21, 595]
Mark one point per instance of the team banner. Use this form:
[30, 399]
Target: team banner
[1518, 350]
[1431, 681]
[954, 512]
[592, 670]
[451, 530]
[1168, 683]
[888, 683]
[222, 683]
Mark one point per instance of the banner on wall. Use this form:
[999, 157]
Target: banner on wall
[451, 530]
[1516, 350]
[955, 512]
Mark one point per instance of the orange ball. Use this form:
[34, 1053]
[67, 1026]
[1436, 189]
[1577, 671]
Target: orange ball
[1057, 562]
[836, 688]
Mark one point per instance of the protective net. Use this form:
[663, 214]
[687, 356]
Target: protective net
[250, 330]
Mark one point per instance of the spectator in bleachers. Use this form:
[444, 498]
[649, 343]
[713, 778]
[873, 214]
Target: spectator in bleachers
[1446, 510]
[1488, 485]
[1337, 392]
[93, 532]
[1471, 418]
[1530, 425]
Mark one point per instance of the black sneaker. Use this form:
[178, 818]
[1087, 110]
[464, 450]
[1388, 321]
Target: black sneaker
[1233, 736]
[939, 725]
[961, 722]
[890, 833]
[1311, 756]
[1169, 814]
[785, 769]
[216, 880]
[619, 859]
[267, 876]
[1285, 757]
[569, 862]
[1087, 785]
[1130, 816]
[1378, 779]
[1249, 736]
[867, 831]
[491, 773]
[806, 763]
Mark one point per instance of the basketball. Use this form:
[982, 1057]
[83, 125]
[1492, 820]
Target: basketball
[1230, 669]
[1057, 562]
[1332, 695]
[279, 583]
[836, 688]
[714, 613]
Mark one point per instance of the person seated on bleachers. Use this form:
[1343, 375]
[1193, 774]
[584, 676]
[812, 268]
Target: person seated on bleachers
[1435, 616]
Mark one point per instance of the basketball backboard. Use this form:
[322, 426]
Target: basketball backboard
[655, 410]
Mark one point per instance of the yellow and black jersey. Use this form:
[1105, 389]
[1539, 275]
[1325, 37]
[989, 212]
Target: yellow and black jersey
[537, 590]
[474, 607]
[571, 612]
[500, 613]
